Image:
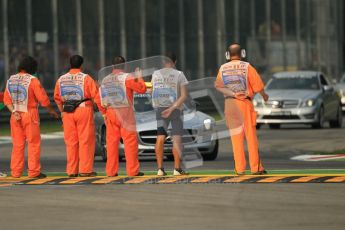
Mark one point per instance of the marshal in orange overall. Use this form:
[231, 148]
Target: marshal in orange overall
[239, 82]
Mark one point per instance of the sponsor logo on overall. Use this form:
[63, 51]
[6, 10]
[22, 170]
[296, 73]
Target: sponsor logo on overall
[18, 86]
[113, 91]
[72, 87]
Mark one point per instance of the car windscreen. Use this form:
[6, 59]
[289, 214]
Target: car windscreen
[294, 82]
[142, 102]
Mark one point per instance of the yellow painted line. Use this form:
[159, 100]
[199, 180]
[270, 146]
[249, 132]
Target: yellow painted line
[336, 179]
[12, 179]
[272, 179]
[305, 179]
[270, 175]
[239, 179]
[75, 180]
[5, 185]
[139, 180]
[280, 174]
[205, 179]
[305, 174]
[107, 180]
[42, 181]
[173, 179]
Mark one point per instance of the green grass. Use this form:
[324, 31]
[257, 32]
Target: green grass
[46, 127]
[338, 151]
[342, 159]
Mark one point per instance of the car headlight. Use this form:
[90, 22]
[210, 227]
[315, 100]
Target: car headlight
[341, 93]
[309, 103]
[208, 124]
[257, 103]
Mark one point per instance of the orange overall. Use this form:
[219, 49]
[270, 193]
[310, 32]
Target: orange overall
[79, 127]
[121, 123]
[28, 127]
[246, 110]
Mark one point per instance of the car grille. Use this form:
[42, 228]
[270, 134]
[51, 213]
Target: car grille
[309, 116]
[150, 136]
[285, 104]
[281, 117]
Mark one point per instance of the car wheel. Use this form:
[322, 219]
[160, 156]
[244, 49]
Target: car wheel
[170, 157]
[274, 126]
[103, 145]
[211, 156]
[339, 121]
[321, 120]
[258, 126]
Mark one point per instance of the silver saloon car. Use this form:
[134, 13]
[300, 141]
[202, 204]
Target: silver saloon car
[341, 90]
[301, 97]
[199, 131]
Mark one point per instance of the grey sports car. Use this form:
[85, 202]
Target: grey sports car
[301, 97]
[199, 134]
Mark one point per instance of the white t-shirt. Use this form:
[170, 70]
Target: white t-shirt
[166, 84]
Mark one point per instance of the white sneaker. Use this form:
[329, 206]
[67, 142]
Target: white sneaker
[161, 172]
[179, 172]
[3, 174]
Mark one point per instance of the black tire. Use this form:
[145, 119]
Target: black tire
[321, 120]
[258, 126]
[274, 126]
[170, 157]
[103, 145]
[212, 155]
[339, 120]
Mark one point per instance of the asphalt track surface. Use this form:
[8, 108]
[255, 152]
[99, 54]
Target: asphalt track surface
[276, 149]
[208, 205]
[183, 206]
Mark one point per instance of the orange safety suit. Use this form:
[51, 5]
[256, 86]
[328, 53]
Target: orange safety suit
[79, 126]
[25, 92]
[121, 123]
[239, 74]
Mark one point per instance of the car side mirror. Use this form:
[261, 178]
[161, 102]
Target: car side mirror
[327, 88]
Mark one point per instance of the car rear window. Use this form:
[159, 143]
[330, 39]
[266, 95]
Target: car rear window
[294, 83]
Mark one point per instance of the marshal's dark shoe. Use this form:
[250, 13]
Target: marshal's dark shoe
[73, 175]
[114, 175]
[140, 174]
[39, 176]
[263, 172]
[92, 174]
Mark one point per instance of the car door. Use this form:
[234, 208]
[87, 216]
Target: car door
[330, 101]
[335, 100]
